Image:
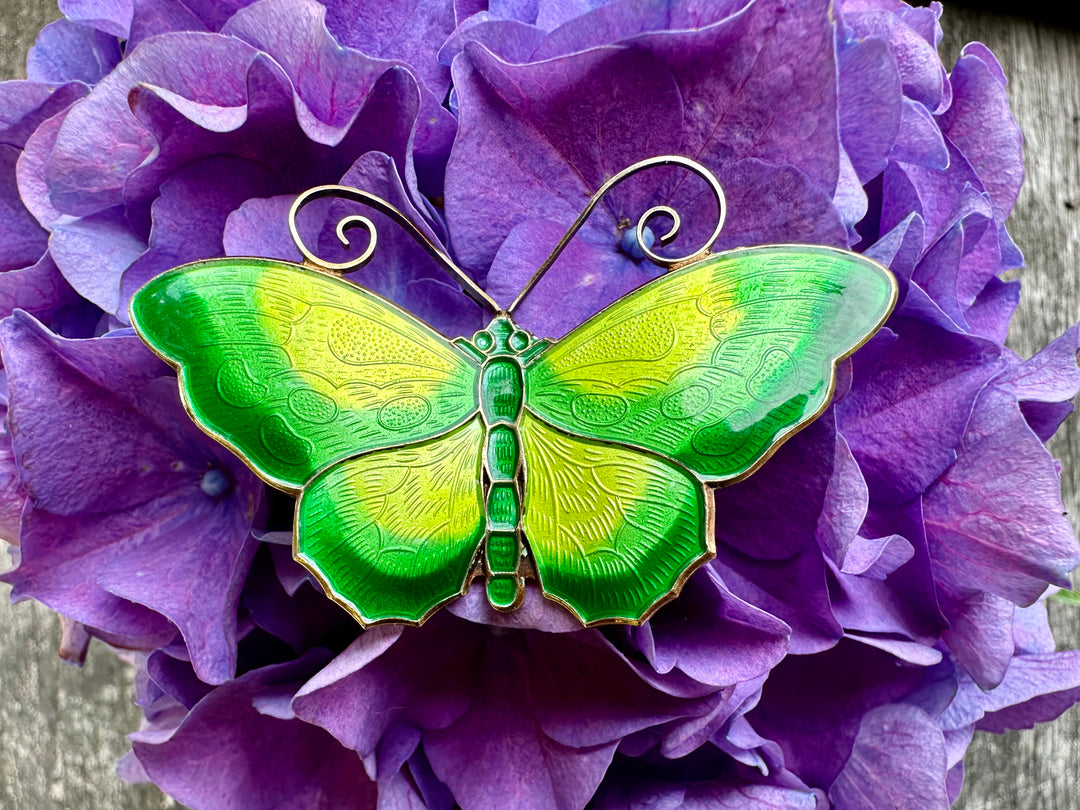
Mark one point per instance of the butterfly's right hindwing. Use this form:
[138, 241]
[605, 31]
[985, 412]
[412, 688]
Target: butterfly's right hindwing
[296, 370]
[613, 531]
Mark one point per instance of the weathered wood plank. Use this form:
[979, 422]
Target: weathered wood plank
[62, 729]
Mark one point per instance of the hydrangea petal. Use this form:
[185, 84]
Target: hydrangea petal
[190, 215]
[65, 52]
[101, 142]
[563, 139]
[981, 125]
[226, 754]
[898, 760]
[409, 31]
[119, 518]
[92, 252]
[870, 108]
[817, 727]
[926, 381]
[995, 520]
[22, 240]
[24, 105]
[919, 139]
[715, 637]
[111, 16]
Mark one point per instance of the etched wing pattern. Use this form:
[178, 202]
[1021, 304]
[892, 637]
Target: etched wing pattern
[295, 369]
[393, 534]
[715, 364]
[613, 531]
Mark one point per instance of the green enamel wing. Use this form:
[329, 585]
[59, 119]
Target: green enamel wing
[585, 463]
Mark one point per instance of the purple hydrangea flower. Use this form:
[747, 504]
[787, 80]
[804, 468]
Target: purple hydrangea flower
[877, 591]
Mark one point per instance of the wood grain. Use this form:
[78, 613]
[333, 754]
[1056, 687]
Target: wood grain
[62, 729]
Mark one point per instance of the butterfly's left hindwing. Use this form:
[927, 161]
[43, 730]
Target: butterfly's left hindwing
[296, 370]
[393, 534]
[716, 364]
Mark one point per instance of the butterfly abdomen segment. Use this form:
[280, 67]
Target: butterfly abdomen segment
[501, 395]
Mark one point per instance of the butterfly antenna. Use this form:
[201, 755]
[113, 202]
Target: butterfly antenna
[666, 262]
[468, 286]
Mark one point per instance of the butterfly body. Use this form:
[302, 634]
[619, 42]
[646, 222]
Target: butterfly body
[422, 463]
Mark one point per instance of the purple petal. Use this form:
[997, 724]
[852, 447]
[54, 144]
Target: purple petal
[995, 521]
[411, 32]
[748, 91]
[560, 126]
[153, 17]
[919, 140]
[773, 514]
[22, 240]
[794, 590]
[870, 104]
[715, 637]
[101, 142]
[909, 404]
[124, 518]
[1051, 375]
[228, 755]
[377, 671]
[980, 636]
[981, 125]
[900, 248]
[189, 217]
[111, 16]
[93, 252]
[259, 227]
[510, 40]
[1036, 688]
[813, 706]
[992, 310]
[30, 171]
[923, 77]
[773, 204]
[24, 105]
[330, 83]
[1031, 630]
[878, 557]
[66, 52]
[507, 703]
[585, 279]
[898, 760]
[880, 613]
[844, 506]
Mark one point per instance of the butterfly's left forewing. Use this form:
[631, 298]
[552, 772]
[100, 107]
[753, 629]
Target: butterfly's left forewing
[295, 369]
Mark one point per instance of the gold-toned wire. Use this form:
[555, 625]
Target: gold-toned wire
[666, 262]
[468, 286]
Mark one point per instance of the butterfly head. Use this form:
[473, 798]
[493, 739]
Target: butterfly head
[502, 336]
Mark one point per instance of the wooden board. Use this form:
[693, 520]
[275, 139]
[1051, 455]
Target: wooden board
[62, 729]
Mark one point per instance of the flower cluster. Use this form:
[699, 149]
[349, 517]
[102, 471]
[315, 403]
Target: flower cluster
[875, 597]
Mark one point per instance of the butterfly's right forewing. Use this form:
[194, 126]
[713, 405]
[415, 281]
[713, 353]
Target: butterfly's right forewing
[716, 364]
[295, 369]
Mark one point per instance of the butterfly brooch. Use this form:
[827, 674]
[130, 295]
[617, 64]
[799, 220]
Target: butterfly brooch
[584, 463]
